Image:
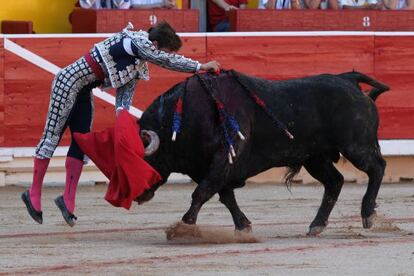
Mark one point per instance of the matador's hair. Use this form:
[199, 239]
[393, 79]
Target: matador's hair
[165, 36]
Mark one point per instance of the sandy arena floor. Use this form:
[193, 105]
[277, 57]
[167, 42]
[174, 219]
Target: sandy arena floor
[113, 241]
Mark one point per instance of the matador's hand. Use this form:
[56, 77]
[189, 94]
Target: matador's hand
[210, 66]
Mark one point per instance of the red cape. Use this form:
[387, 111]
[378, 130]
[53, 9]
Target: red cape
[118, 152]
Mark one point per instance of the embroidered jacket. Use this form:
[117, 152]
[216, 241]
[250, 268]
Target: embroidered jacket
[124, 60]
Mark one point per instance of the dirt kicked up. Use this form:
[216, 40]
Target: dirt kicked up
[108, 240]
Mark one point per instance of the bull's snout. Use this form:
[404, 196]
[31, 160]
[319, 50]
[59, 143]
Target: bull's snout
[151, 139]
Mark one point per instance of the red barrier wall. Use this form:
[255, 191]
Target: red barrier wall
[108, 21]
[23, 103]
[250, 20]
[27, 86]
[394, 56]
[289, 57]
[1, 92]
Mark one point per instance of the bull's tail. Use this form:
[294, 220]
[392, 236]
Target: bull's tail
[290, 174]
[357, 78]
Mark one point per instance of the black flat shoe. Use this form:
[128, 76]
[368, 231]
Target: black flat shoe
[68, 216]
[37, 216]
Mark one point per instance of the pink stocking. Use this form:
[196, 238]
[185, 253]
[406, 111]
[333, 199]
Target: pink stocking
[73, 171]
[35, 192]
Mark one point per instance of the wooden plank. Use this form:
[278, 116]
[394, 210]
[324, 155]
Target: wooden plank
[59, 51]
[394, 54]
[144, 19]
[286, 57]
[64, 51]
[191, 21]
[19, 68]
[321, 20]
[1, 58]
[250, 20]
[28, 88]
[111, 21]
[391, 20]
[83, 21]
[180, 20]
[185, 4]
[400, 93]
[26, 104]
[26, 109]
[396, 123]
[393, 66]
[2, 128]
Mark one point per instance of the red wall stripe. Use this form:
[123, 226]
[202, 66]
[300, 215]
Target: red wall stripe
[2, 92]
[24, 101]
[251, 20]
[109, 21]
[287, 57]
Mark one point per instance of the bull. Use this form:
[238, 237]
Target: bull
[327, 115]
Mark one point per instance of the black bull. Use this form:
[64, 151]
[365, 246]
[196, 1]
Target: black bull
[328, 115]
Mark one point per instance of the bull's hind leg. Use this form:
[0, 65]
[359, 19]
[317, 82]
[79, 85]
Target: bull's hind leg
[324, 171]
[372, 163]
[240, 220]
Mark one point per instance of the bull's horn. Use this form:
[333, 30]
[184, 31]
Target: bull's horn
[154, 141]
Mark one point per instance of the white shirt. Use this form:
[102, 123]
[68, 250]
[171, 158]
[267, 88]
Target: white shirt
[279, 5]
[121, 4]
[147, 3]
[355, 3]
[90, 4]
[98, 4]
[401, 4]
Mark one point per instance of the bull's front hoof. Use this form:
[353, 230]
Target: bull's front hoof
[246, 229]
[315, 230]
[182, 230]
[187, 219]
[369, 221]
[170, 235]
[244, 226]
[146, 196]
